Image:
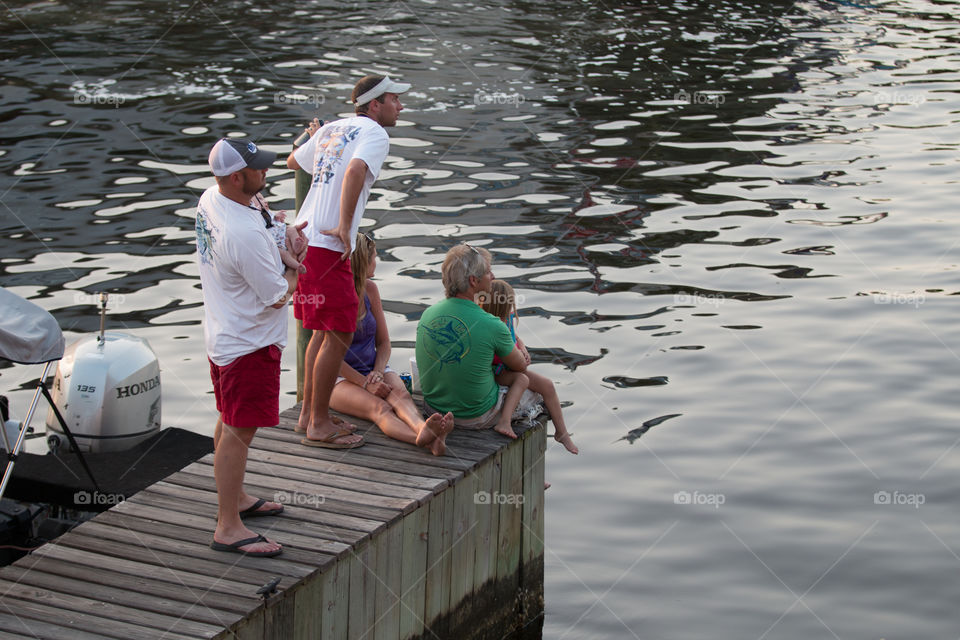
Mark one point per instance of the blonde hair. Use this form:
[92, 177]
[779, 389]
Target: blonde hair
[461, 262]
[500, 301]
[360, 265]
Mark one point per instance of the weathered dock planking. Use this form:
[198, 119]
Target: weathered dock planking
[381, 542]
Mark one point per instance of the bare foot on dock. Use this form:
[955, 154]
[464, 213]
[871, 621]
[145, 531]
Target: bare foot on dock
[330, 435]
[567, 442]
[506, 429]
[429, 430]
[439, 445]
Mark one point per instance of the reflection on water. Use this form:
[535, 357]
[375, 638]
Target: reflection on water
[725, 220]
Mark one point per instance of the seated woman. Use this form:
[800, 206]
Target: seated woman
[367, 388]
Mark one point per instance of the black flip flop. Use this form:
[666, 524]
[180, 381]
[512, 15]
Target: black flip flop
[234, 547]
[254, 511]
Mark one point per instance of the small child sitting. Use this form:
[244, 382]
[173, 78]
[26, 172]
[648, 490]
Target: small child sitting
[501, 302]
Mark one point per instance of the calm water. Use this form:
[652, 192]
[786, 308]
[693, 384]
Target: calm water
[732, 226]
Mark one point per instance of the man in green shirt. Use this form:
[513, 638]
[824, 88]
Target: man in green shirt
[456, 342]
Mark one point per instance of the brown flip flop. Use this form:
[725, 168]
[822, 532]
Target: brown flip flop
[330, 441]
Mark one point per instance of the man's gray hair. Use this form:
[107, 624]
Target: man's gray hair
[463, 261]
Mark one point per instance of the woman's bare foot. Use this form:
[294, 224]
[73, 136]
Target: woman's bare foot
[567, 442]
[429, 430]
[439, 446]
[505, 429]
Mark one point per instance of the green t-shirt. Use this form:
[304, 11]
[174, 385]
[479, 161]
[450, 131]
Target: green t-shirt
[456, 342]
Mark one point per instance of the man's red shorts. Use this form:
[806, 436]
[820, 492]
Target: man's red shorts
[325, 298]
[248, 389]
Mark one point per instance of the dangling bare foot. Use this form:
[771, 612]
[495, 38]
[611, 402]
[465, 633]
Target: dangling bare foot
[567, 442]
[439, 446]
[506, 429]
[429, 430]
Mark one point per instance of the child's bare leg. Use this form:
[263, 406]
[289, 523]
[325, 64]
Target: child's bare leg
[287, 258]
[518, 384]
[545, 387]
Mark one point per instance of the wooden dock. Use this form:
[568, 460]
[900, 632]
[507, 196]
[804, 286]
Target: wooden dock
[381, 542]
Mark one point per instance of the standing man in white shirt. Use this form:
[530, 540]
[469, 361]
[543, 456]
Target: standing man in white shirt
[344, 159]
[245, 292]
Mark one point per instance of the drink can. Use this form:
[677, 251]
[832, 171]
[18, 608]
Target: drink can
[407, 381]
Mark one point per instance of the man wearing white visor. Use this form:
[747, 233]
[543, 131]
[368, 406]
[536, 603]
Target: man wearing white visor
[344, 159]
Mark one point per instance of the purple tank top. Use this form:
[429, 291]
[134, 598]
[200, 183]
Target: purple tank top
[362, 354]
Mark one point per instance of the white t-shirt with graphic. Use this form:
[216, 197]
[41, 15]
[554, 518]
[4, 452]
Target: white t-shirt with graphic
[242, 275]
[326, 156]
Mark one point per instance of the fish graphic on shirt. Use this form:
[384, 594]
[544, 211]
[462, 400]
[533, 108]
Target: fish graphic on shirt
[447, 339]
[205, 237]
[330, 150]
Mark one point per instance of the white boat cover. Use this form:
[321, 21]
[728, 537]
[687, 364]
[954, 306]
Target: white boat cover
[28, 333]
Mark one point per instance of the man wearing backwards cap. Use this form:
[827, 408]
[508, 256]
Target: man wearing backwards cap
[344, 158]
[245, 291]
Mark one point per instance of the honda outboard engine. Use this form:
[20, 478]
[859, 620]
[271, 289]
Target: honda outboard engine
[107, 389]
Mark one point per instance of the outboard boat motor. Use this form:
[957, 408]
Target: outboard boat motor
[107, 388]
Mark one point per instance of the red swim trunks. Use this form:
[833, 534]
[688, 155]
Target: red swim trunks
[325, 298]
[248, 389]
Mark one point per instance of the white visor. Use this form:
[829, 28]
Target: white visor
[384, 86]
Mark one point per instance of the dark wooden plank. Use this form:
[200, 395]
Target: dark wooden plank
[439, 543]
[296, 534]
[25, 627]
[333, 499]
[150, 601]
[103, 627]
[69, 600]
[363, 592]
[10, 636]
[225, 606]
[464, 542]
[391, 451]
[412, 481]
[335, 616]
[216, 567]
[485, 513]
[365, 461]
[413, 572]
[461, 454]
[306, 482]
[354, 483]
[510, 522]
[297, 548]
[534, 448]
[389, 589]
[194, 583]
[192, 551]
[346, 529]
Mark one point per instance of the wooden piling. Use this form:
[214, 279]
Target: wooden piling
[301, 182]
